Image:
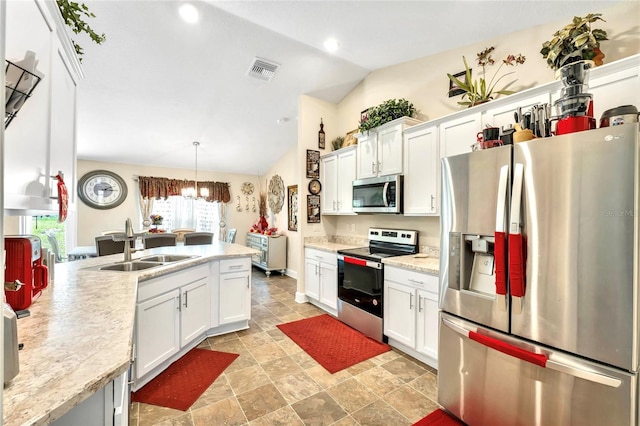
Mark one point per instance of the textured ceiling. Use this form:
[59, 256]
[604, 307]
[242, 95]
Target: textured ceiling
[158, 84]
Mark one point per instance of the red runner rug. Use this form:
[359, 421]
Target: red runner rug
[438, 418]
[333, 344]
[180, 385]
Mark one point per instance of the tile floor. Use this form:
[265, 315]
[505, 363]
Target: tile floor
[274, 382]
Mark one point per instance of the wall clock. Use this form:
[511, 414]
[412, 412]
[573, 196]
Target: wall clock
[102, 189]
[315, 187]
[276, 194]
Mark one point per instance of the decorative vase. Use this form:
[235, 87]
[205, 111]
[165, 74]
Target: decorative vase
[263, 225]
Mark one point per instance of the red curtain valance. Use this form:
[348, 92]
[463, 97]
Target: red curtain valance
[158, 187]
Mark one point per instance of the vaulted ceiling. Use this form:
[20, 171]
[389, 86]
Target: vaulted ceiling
[159, 83]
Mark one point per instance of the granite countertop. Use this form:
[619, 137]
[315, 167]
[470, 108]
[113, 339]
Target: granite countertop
[429, 264]
[79, 335]
[329, 246]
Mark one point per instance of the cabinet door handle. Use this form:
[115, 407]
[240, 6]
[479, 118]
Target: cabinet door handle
[338, 205]
[248, 281]
[411, 301]
[334, 205]
[432, 199]
[235, 266]
[373, 167]
[411, 280]
[379, 166]
[186, 299]
[419, 303]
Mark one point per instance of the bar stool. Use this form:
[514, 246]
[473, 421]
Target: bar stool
[198, 238]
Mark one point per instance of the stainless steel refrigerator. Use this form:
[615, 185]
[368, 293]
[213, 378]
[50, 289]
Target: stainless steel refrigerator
[539, 301]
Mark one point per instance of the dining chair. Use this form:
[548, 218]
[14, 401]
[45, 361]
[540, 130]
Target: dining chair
[53, 242]
[105, 245]
[198, 238]
[181, 231]
[231, 235]
[160, 240]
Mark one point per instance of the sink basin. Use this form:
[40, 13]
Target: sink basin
[130, 266]
[166, 258]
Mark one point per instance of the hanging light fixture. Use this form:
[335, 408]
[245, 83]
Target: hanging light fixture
[192, 192]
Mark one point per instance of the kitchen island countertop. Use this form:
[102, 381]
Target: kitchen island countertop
[79, 335]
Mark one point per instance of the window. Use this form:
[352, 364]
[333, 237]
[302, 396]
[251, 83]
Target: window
[179, 212]
[40, 224]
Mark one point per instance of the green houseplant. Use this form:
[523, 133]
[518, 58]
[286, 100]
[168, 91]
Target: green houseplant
[484, 89]
[73, 14]
[387, 111]
[575, 42]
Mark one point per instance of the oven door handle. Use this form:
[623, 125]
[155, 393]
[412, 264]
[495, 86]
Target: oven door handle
[360, 262]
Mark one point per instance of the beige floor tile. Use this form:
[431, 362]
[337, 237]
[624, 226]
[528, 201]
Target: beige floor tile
[380, 413]
[256, 339]
[245, 360]
[319, 409]
[249, 378]
[385, 357]
[152, 414]
[260, 401]
[410, 403]
[133, 413]
[183, 420]
[351, 395]
[303, 359]
[280, 367]
[219, 390]
[277, 335]
[404, 368]
[426, 385]
[293, 316]
[346, 421]
[289, 346]
[225, 412]
[379, 380]
[234, 346]
[360, 367]
[326, 379]
[267, 352]
[222, 338]
[282, 417]
[295, 387]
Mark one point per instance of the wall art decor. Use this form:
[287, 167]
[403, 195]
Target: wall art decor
[321, 135]
[313, 164]
[313, 209]
[454, 90]
[292, 203]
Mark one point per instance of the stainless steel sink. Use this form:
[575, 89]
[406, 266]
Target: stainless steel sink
[130, 266]
[166, 258]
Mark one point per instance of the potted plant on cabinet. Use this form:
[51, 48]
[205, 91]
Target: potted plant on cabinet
[484, 89]
[575, 42]
[385, 112]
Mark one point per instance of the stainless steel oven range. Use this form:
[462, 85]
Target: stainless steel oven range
[361, 276]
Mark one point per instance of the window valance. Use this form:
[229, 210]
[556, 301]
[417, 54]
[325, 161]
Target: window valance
[158, 187]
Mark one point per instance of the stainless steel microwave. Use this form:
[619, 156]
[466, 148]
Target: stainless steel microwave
[378, 195]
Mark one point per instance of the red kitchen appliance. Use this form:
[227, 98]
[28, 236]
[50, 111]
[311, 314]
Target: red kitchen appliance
[575, 106]
[24, 263]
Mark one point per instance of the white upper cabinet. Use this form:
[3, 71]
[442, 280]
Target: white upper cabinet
[421, 170]
[338, 171]
[380, 149]
[459, 134]
[41, 139]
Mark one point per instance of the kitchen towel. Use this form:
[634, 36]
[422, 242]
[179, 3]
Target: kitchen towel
[180, 385]
[334, 345]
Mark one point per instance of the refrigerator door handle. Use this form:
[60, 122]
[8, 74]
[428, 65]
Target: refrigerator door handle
[500, 239]
[516, 242]
[540, 360]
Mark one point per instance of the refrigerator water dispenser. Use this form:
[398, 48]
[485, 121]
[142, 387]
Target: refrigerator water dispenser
[472, 264]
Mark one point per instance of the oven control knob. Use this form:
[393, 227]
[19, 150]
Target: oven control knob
[375, 302]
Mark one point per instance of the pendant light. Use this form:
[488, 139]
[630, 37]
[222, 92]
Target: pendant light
[192, 192]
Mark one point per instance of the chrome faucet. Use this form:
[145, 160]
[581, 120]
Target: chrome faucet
[129, 236]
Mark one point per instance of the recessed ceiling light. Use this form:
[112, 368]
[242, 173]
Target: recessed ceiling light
[189, 13]
[331, 44]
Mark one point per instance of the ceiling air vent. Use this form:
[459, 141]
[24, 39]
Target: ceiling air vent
[262, 69]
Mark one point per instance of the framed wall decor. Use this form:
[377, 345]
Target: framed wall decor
[313, 164]
[454, 90]
[350, 138]
[292, 203]
[364, 115]
[313, 209]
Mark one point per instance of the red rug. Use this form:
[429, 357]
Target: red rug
[333, 344]
[180, 385]
[438, 418]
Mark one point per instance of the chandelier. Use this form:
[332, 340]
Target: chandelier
[192, 192]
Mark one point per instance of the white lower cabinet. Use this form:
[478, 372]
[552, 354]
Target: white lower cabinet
[321, 279]
[411, 313]
[172, 312]
[235, 290]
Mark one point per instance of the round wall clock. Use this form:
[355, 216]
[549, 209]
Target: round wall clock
[315, 187]
[102, 189]
[276, 194]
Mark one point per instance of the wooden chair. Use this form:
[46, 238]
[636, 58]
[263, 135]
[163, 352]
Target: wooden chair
[53, 242]
[160, 240]
[198, 238]
[106, 246]
[231, 236]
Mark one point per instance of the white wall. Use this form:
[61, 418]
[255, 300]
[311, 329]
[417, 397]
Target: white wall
[424, 82]
[91, 222]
